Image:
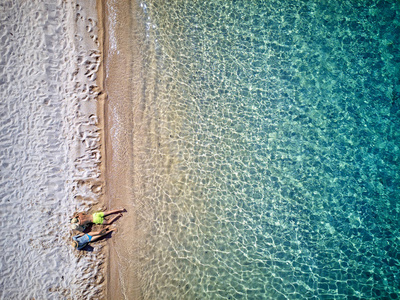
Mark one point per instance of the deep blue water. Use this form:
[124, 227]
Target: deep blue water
[273, 170]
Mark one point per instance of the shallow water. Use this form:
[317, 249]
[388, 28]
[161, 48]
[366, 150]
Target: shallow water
[271, 160]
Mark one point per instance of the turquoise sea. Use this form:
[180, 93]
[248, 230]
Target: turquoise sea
[272, 169]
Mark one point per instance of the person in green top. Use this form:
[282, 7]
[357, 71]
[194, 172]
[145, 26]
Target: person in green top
[80, 220]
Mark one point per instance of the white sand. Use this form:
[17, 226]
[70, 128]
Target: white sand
[49, 148]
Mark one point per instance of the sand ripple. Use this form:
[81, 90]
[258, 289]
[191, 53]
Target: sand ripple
[49, 147]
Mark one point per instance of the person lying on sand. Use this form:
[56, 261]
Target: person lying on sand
[82, 239]
[80, 220]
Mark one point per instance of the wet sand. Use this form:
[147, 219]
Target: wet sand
[121, 85]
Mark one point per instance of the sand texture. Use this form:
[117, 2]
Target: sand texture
[50, 148]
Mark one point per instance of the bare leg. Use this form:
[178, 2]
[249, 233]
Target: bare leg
[102, 233]
[115, 211]
[108, 222]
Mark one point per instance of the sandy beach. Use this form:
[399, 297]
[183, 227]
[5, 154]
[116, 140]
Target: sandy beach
[254, 145]
[52, 148]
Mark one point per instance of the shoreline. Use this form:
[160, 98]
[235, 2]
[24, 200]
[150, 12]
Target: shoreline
[102, 96]
[124, 132]
[101, 113]
[118, 60]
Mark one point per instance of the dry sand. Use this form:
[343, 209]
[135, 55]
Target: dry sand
[50, 148]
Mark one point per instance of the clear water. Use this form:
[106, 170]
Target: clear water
[272, 165]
